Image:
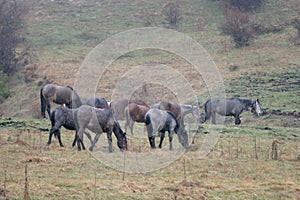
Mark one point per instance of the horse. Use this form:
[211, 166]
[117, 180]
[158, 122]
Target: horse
[179, 110]
[96, 102]
[63, 116]
[118, 106]
[134, 113]
[59, 95]
[160, 121]
[230, 107]
[98, 121]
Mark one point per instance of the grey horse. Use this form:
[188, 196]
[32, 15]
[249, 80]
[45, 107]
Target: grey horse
[230, 107]
[160, 121]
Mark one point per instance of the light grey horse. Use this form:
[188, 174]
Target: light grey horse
[160, 121]
[230, 107]
[98, 121]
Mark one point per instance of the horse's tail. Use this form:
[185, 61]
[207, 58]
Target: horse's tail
[43, 104]
[207, 110]
[147, 120]
[52, 119]
[177, 123]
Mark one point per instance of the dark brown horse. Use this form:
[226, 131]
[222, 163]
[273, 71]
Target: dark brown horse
[118, 106]
[59, 95]
[135, 113]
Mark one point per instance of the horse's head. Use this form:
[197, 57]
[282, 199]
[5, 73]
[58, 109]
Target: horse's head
[122, 143]
[196, 113]
[256, 108]
[183, 137]
[121, 136]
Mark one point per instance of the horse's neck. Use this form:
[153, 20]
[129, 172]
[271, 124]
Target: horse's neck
[185, 109]
[247, 103]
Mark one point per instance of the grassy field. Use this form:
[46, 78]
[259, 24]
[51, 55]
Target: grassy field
[244, 163]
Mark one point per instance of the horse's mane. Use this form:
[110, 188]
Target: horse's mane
[172, 115]
[70, 87]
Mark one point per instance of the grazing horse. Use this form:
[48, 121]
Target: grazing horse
[97, 102]
[134, 113]
[118, 106]
[59, 95]
[160, 121]
[98, 121]
[230, 107]
[179, 110]
[63, 116]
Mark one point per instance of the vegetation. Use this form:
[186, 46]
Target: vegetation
[257, 160]
[12, 15]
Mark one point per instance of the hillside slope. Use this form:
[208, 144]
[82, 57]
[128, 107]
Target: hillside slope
[62, 33]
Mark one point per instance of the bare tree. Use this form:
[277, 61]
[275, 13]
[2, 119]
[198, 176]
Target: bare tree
[12, 13]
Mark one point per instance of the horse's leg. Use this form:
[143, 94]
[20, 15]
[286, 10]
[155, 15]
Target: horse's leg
[170, 139]
[213, 118]
[95, 141]
[109, 139]
[59, 138]
[49, 109]
[80, 138]
[162, 137]
[50, 136]
[89, 136]
[131, 123]
[152, 141]
[75, 139]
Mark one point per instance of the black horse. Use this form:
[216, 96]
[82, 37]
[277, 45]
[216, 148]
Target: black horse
[63, 116]
[59, 95]
[230, 107]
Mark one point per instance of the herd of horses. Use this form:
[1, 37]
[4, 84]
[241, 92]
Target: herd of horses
[100, 116]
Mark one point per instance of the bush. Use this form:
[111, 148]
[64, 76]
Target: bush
[4, 90]
[238, 26]
[245, 5]
[296, 24]
[171, 13]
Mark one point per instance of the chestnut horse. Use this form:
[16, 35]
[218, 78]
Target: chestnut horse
[118, 106]
[134, 113]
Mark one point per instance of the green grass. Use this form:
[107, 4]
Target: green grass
[230, 170]
[62, 33]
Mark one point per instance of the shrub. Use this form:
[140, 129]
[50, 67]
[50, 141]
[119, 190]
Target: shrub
[296, 24]
[238, 26]
[4, 90]
[171, 13]
[245, 5]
